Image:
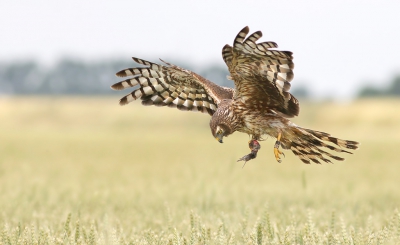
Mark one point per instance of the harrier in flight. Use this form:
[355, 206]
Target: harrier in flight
[259, 105]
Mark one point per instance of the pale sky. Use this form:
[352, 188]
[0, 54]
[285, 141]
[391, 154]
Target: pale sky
[337, 45]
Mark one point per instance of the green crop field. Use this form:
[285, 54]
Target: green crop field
[77, 170]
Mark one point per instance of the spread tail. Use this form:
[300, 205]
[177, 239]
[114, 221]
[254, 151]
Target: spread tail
[308, 145]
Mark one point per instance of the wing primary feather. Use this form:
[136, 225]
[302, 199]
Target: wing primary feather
[172, 86]
[237, 43]
[254, 37]
[125, 84]
[227, 54]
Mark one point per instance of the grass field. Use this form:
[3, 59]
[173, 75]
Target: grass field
[77, 170]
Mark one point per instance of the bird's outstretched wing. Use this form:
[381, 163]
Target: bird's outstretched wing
[170, 85]
[261, 74]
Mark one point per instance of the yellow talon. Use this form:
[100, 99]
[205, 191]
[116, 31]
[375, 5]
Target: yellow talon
[277, 152]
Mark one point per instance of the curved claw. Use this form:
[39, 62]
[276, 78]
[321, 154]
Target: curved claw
[277, 154]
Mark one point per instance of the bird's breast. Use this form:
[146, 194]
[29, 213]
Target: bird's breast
[262, 123]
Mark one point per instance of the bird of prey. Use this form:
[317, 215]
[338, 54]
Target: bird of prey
[260, 104]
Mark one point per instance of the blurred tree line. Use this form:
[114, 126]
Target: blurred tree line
[78, 77]
[67, 77]
[392, 90]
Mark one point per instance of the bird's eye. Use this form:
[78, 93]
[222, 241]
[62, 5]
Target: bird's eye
[219, 131]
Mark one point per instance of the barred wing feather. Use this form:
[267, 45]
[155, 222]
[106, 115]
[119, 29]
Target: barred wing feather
[171, 86]
[261, 74]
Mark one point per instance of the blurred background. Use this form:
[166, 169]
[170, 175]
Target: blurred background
[67, 147]
[343, 50]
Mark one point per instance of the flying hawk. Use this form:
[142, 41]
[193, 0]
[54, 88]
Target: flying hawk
[259, 105]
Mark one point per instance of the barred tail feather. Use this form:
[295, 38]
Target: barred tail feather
[308, 145]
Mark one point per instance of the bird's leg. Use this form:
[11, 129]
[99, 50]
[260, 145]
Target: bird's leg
[254, 146]
[277, 152]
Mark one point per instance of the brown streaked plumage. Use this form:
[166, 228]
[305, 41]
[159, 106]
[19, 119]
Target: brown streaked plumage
[259, 105]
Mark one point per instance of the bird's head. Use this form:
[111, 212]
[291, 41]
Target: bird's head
[221, 121]
[220, 131]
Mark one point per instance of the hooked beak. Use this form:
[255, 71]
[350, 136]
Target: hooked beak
[219, 138]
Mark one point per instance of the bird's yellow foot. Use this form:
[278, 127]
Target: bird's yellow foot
[277, 152]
